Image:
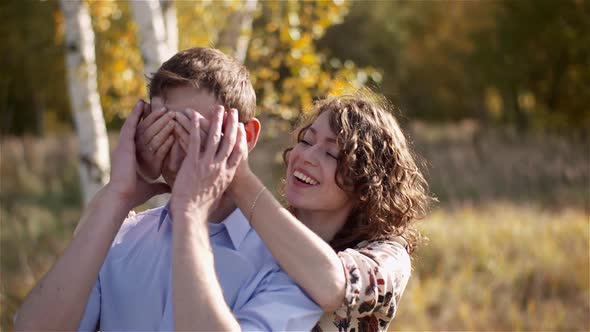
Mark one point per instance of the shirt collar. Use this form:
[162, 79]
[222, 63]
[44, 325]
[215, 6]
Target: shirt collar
[235, 224]
[237, 227]
[163, 215]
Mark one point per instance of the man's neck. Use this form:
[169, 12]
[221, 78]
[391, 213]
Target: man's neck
[225, 207]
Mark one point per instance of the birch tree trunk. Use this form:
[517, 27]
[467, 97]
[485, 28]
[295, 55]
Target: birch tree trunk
[154, 45]
[235, 37]
[84, 98]
[170, 24]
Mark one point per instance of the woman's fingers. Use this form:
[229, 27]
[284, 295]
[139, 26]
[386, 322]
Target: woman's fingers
[229, 136]
[182, 136]
[184, 126]
[161, 136]
[214, 136]
[183, 129]
[150, 118]
[164, 149]
[194, 147]
[240, 148]
[156, 127]
[144, 135]
[184, 119]
[127, 135]
[226, 148]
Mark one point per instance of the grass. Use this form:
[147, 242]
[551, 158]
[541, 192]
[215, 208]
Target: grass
[500, 267]
[509, 242]
[40, 206]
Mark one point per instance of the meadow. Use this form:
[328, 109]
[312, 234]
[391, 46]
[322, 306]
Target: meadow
[508, 241]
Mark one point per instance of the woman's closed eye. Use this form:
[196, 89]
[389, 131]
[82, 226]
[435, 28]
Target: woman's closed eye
[332, 155]
[304, 142]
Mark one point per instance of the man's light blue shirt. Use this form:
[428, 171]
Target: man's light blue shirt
[134, 286]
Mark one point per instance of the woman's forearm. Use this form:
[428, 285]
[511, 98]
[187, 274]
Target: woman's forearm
[195, 281]
[59, 299]
[308, 259]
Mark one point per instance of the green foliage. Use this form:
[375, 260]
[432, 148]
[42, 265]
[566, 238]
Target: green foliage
[517, 63]
[120, 66]
[538, 59]
[288, 71]
[200, 22]
[32, 77]
[419, 46]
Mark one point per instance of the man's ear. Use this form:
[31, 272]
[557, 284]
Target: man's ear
[252, 128]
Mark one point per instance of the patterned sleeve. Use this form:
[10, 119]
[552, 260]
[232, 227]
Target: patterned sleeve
[376, 276]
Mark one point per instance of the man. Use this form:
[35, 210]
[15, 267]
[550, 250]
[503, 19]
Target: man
[166, 267]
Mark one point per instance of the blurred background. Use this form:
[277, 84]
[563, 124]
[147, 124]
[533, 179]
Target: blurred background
[494, 95]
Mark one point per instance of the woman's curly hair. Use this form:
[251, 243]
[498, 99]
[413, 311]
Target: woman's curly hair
[375, 167]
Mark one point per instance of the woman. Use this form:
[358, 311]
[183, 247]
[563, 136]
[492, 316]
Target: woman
[354, 191]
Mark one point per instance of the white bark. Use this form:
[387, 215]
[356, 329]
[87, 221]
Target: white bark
[171, 24]
[235, 37]
[152, 32]
[84, 98]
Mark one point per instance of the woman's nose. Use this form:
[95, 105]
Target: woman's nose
[310, 155]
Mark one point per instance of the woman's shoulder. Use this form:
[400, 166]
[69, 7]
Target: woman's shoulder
[394, 242]
[389, 254]
[377, 273]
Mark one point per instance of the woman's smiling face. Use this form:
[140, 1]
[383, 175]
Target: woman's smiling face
[310, 179]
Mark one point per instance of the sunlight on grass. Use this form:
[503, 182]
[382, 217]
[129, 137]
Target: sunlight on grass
[500, 267]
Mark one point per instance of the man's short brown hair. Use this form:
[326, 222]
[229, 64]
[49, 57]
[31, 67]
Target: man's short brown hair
[210, 69]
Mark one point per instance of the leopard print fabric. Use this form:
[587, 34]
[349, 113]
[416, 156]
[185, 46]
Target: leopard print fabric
[376, 275]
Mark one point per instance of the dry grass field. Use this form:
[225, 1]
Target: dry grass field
[500, 267]
[508, 243]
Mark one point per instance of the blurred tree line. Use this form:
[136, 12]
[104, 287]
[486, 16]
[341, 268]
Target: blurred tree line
[520, 63]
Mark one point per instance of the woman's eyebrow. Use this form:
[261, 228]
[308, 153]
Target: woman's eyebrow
[328, 139]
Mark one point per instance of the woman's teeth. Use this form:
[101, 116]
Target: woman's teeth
[305, 178]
